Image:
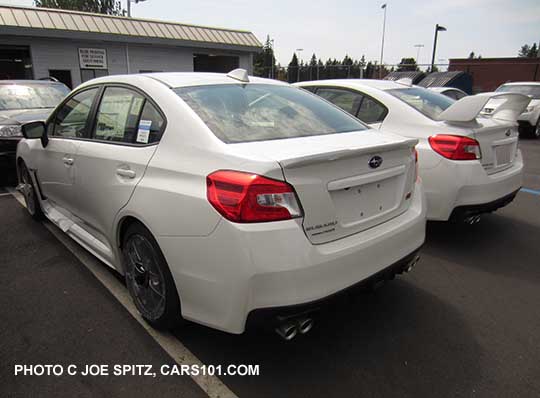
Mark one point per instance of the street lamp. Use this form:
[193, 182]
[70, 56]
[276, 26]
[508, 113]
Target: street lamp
[418, 46]
[438, 28]
[382, 43]
[298, 50]
[129, 5]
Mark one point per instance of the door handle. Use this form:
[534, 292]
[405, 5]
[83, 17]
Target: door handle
[126, 173]
[68, 161]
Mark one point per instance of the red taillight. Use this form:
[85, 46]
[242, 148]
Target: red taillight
[246, 197]
[455, 147]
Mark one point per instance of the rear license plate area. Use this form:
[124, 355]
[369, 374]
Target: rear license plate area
[362, 203]
[503, 154]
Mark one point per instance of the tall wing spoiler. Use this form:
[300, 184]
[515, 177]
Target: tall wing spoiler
[468, 108]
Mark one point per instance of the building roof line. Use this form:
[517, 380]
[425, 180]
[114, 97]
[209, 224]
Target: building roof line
[95, 14]
[77, 21]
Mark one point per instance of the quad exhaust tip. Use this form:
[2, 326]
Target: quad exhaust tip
[471, 220]
[290, 329]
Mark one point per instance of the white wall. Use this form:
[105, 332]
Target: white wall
[63, 54]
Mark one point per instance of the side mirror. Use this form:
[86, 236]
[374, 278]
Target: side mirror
[35, 130]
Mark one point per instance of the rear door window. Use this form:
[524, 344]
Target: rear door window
[345, 99]
[117, 118]
[371, 111]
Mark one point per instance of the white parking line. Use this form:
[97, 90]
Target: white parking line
[211, 385]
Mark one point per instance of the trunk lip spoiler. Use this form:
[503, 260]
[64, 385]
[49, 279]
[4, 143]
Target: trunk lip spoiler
[468, 108]
[345, 153]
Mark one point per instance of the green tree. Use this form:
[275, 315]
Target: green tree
[527, 51]
[263, 61]
[292, 69]
[110, 7]
[407, 64]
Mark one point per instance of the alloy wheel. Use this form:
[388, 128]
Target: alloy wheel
[144, 277]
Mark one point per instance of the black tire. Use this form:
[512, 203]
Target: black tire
[30, 194]
[149, 280]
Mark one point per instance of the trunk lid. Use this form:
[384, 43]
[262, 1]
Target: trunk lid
[346, 183]
[498, 143]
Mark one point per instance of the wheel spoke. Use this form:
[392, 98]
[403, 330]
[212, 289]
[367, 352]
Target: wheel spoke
[145, 277]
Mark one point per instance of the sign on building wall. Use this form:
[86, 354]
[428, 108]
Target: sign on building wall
[93, 58]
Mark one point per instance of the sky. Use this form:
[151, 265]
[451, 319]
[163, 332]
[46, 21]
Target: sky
[331, 29]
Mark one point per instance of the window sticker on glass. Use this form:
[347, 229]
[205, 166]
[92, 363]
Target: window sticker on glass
[144, 131]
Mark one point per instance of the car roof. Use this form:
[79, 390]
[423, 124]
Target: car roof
[29, 82]
[521, 84]
[442, 89]
[186, 79]
[360, 83]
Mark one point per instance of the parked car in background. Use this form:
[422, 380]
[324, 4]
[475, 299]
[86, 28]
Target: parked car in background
[469, 164]
[22, 101]
[529, 120]
[221, 196]
[450, 92]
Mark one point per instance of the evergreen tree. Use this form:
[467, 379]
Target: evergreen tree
[109, 7]
[292, 69]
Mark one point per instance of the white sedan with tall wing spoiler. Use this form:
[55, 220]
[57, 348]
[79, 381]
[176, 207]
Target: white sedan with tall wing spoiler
[470, 164]
[224, 198]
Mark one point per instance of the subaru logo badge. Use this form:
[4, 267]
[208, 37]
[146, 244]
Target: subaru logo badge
[375, 162]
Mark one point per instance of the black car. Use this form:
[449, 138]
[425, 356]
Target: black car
[22, 101]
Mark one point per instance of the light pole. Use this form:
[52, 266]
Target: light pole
[382, 43]
[298, 50]
[418, 47]
[438, 28]
[129, 5]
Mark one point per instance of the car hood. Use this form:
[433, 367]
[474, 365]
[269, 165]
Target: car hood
[21, 116]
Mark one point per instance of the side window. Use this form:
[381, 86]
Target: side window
[152, 122]
[71, 118]
[346, 100]
[309, 88]
[371, 111]
[118, 115]
[458, 95]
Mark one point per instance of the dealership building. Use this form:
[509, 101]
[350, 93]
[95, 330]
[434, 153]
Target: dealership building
[74, 47]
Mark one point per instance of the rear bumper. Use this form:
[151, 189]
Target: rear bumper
[270, 317]
[239, 268]
[453, 185]
[462, 212]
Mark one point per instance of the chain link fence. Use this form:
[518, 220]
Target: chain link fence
[321, 72]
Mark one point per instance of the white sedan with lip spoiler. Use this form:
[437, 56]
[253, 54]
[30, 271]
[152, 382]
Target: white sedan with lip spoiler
[469, 163]
[218, 196]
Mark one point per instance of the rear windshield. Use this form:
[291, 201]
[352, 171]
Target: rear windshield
[259, 112]
[427, 102]
[31, 96]
[532, 91]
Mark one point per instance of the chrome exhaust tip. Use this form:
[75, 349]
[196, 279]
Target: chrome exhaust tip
[413, 262]
[287, 330]
[304, 325]
[472, 220]
[20, 187]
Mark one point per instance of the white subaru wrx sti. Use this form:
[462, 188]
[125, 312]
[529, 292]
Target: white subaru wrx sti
[470, 164]
[218, 195]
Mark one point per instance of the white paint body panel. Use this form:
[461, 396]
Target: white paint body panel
[447, 183]
[224, 270]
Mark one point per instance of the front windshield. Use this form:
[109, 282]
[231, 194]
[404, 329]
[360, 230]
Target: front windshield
[427, 102]
[531, 90]
[258, 112]
[31, 96]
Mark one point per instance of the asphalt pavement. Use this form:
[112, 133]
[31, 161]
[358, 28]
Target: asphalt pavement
[464, 323]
